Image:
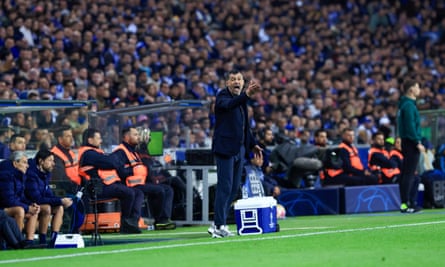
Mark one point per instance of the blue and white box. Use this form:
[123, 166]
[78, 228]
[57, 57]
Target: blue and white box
[69, 241]
[256, 215]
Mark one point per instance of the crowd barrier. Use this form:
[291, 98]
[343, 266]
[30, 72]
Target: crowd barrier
[340, 200]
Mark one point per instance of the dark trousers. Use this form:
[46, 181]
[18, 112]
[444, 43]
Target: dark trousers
[10, 235]
[178, 186]
[160, 197]
[130, 198]
[408, 180]
[392, 180]
[229, 171]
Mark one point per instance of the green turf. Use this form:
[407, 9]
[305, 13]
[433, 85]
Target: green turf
[383, 239]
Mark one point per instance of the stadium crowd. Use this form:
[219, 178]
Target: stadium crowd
[322, 64]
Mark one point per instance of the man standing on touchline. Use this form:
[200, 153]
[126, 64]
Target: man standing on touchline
[232, 137]
[408, 125]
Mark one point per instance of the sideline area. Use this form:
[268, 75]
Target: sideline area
[299, 229]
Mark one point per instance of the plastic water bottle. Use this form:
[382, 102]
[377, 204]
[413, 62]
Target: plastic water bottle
[79, 195]
[420, 194]
[244, 191]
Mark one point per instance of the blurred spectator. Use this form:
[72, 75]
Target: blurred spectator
[40, 139]
[321, 138]
[366, 130]
[16, 143]
[5, 135]
[77, 127]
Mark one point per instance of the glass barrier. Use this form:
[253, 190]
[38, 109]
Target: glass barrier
[175, 128]
[37, 119]
[179, 125]
[433, 126]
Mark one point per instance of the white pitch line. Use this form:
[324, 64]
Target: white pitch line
[306, 228]
[215, 242]
[159, 234]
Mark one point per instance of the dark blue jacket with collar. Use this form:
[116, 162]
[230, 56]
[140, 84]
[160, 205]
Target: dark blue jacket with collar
[37, 186]
[12, 188]
[4, 151]
[100, 161]
[231, 115]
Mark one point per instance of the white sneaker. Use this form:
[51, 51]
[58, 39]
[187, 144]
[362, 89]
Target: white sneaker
[229, 233]
[223, 231]
[211, 230]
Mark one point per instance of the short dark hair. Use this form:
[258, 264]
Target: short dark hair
[15, 136]
[42, 154]
[126, 130]
[233, 71]
[58, 132]
[262, 132]
[5, 130]
[347, 129]
[319, 131]
[408, 84]
[374, 135]
[88, 133]
[65, 82]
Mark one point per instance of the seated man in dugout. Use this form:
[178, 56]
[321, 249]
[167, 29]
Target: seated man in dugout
[66, 169]
[65, 175]
[379, 161]
[135, 173]
[12, 195]
[157, 174]
[100, 178]
[37, 190]
[352, 171]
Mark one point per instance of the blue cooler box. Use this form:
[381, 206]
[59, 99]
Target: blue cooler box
[256, 215]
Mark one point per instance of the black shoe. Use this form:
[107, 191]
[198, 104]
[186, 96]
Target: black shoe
[29, 244]
[129, 226]
[130, 230]
[26, 244]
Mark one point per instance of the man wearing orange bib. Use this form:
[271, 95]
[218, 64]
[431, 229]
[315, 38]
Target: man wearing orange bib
[100, 172]
[352, 171]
